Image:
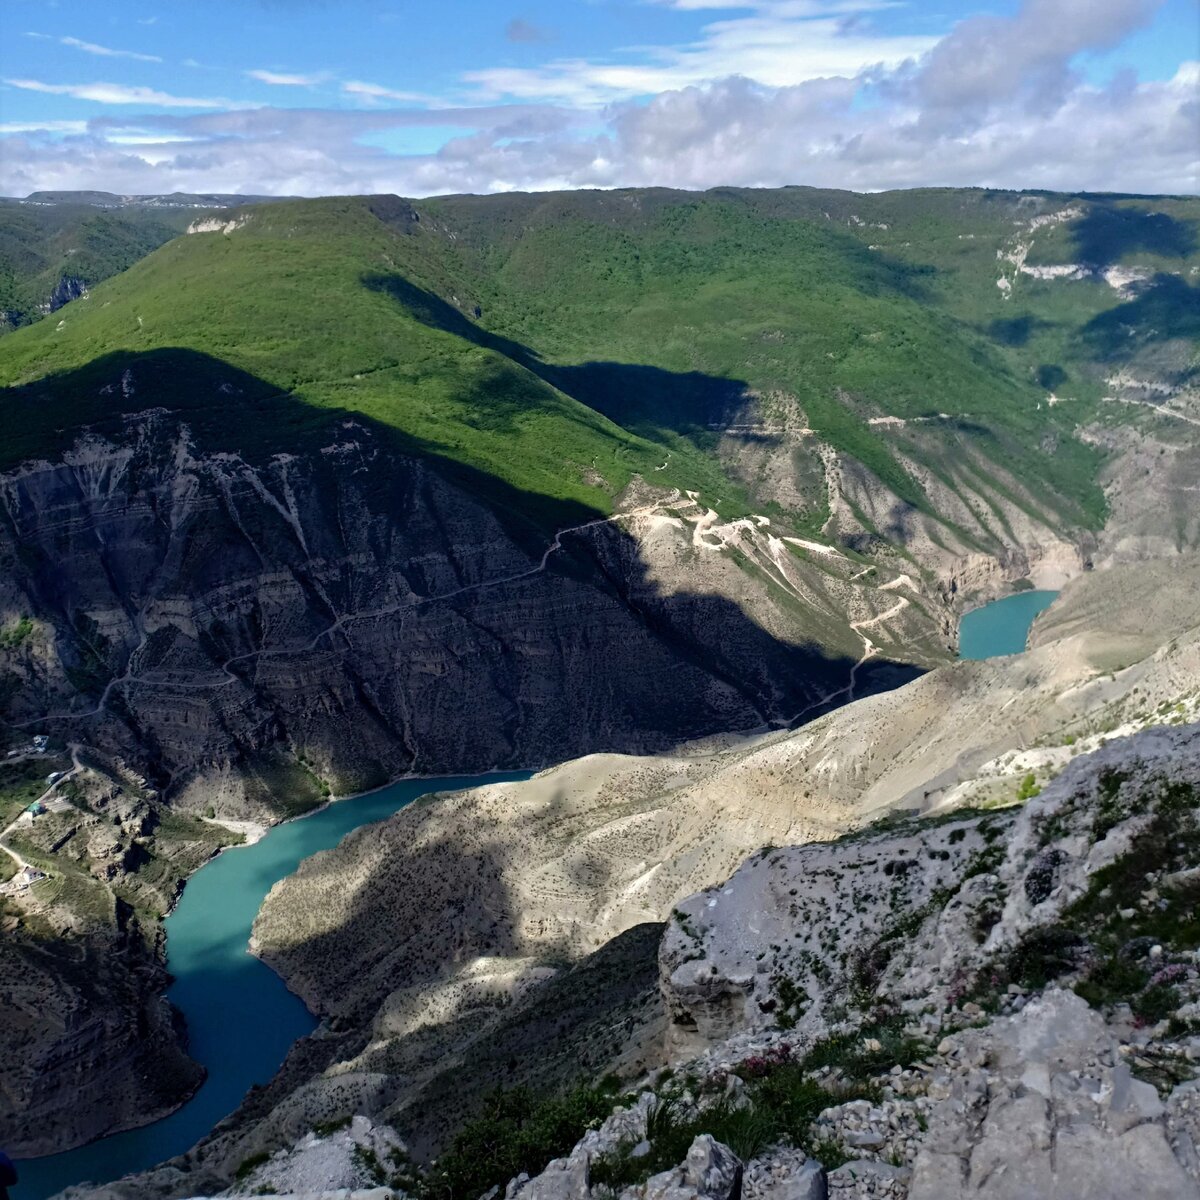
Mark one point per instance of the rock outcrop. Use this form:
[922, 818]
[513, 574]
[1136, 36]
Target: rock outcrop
[68, 288]
[1014, 998]
[1043, 1103]
[357, 1158]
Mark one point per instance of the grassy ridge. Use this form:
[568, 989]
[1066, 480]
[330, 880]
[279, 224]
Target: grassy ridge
[563, 343]
[39, 245]
[288, 304]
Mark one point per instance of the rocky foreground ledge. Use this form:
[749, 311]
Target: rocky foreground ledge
[1000, 1004]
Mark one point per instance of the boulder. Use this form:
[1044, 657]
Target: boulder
[711, 1171]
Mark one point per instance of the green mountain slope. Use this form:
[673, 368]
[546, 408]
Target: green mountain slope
[566, 342]
[299, 299]
[41, 245]
[81, 238]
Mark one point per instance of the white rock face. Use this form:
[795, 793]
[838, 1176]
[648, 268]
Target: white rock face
[1053, 1111]
[216, 225]
[353, 1161]
[906, 914]
[711, 1171]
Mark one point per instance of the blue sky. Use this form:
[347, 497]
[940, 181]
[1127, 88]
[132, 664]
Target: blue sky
[306, 96]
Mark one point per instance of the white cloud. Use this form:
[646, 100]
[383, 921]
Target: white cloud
[106, 52]
[43, 126]
[988, 59]
[997, 102]
[116, 93]
[279, 79]
[779, 45]
[375, 91]
[93, 48]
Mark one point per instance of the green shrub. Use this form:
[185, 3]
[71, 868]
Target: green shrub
[1028, 788]
[13, 635]
[1112, 981]
[247, 1165]
[516, 1132]
[1156, 1003]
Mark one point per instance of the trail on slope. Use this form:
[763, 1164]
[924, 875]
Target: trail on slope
[7, 832]
[128, 677]
[869, 652]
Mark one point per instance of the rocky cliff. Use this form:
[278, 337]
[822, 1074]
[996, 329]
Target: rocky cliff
[81, 969]
[331, 622]
[1000, 1004]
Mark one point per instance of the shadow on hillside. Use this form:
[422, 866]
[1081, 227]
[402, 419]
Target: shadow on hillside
[226, 409]
[1106, 233]
[583, 650]
[1167, 308]
[642, 399]
[1016, 331]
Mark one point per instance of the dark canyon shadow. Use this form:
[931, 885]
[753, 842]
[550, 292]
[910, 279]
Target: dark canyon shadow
[627, 664]
[643, 399]
[1107, 232]
[1168, 307]
[491, 659]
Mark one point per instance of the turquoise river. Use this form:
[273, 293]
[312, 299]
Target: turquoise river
[1001, 627]
[241, 1020]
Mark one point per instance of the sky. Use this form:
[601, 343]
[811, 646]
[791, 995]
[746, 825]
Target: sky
[420, 97]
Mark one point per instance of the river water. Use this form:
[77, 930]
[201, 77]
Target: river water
[241, 1020]
[1001, 627]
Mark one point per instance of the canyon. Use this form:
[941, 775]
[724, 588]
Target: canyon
[466, 526]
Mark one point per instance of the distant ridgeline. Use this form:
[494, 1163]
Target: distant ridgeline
[834, 401]
[931, 335]
[56, 245]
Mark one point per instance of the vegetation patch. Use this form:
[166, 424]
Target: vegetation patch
[1117, 941]
[12, 636]
[780, 1098]
[516, 1132]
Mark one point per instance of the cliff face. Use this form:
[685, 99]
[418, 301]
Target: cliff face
[68, 288]
[346, 617]
[85, 1018]
[242, 638]
[89, 1042]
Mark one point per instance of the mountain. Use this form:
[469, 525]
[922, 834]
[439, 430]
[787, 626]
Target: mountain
[163, 200]
[325, 492]
[56, 245]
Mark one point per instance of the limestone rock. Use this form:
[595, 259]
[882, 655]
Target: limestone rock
[710, 1171]
[361, 1155]
[1057, 1115]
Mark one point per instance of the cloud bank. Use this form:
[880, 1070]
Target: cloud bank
[998, 101]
